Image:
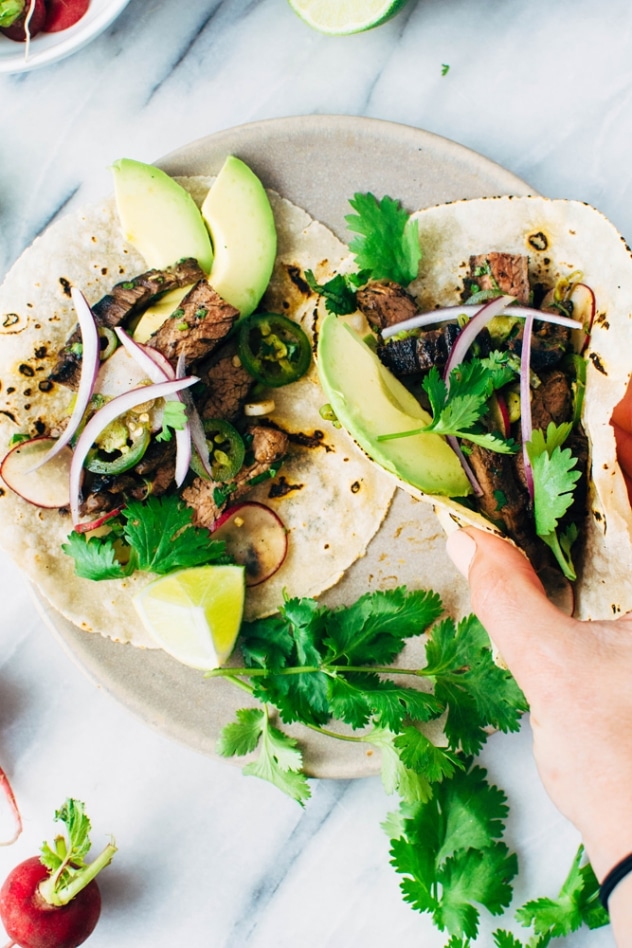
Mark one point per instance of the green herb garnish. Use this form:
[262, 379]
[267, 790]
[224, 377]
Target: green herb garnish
[156, 535]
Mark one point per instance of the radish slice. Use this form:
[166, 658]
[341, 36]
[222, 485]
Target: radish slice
[14, 811]
[447, 313]
[89, 525]
[160, 370]
[102, 418]
[21, 470]
[90, 360]
[255, 537]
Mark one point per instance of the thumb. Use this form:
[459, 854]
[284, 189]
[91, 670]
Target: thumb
[509, 600]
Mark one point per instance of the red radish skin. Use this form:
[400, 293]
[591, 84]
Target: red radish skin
[33, 923]
[255, 537]
[37, 22]
[43, 487]
[62, 14]
[12, 804]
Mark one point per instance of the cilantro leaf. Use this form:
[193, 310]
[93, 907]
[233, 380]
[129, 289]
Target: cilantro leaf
[279, 762]
[474, 690]
[577, 904]
[340, 291]
[419, 753]
[242, 736]
[356, 698]
[555, 477]
[458, 408]
[162, 537]
[95, 557]
[174, 418]
[156, 535]
[388, 239]
[450, 855]
[374, 628]
[412, 786]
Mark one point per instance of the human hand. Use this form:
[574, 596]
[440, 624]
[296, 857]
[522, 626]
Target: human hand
[577, 679]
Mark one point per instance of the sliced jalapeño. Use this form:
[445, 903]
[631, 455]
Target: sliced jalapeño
[273, 349]
[226, 450]
[124, 458]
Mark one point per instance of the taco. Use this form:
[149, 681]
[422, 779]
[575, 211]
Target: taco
[524, 402]
[330, 500]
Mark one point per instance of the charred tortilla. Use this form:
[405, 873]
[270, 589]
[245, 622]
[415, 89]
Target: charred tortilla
[560, 237]
[331, 500]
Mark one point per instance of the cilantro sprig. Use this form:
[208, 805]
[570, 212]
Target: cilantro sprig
[336, 671]
[555, 476]
[156, 535]
[386, 247]
[315, 666]
[458, 408]
[387, 238]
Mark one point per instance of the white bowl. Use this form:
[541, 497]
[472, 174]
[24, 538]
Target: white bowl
[48, 47]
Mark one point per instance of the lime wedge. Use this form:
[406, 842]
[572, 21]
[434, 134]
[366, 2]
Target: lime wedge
[194, 614]
[338, 17]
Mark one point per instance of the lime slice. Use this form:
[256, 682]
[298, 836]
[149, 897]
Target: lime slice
[338, 17]
[195, 614]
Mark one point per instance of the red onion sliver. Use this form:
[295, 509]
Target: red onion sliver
[446, 313]
[13, 807]
[471, 330]
[102, 418]
[159, 369]
[91, 347]
[465, 464]
[196, 428]
[526, 426]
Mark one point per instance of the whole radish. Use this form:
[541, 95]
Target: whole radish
[53, 900]
[22, 19]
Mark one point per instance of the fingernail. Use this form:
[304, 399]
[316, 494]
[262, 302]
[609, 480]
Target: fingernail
[461, 549]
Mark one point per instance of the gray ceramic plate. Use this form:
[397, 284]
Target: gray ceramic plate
[318, 162]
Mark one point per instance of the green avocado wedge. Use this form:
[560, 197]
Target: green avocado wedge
[369, 401]
[159, 217]
[240, 219]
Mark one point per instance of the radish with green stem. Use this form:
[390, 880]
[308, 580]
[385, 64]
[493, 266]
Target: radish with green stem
[53, 900]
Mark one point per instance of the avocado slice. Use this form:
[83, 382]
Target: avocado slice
[159, 217]
[368, 400]
[239, 217]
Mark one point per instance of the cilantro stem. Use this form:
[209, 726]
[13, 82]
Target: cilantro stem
[311, 670]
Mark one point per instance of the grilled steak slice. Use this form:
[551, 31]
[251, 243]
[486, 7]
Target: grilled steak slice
[552, 400]
[419, 353]
[195, 328]
[208, 499]
[507, 272]
[133, 296]
[385, 303]
[227, 383]
[549, 343]
[124, 300]
[504, 501]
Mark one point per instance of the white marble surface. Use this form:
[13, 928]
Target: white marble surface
[209, 858]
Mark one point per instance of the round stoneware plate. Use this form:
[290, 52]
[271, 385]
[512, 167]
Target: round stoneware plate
[318, 162]
[47, 48]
